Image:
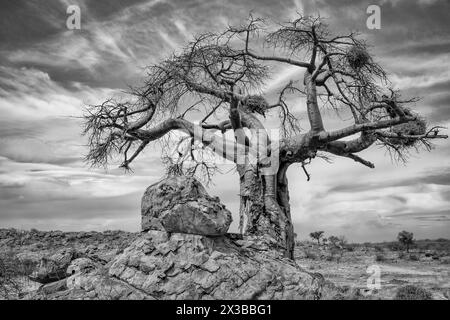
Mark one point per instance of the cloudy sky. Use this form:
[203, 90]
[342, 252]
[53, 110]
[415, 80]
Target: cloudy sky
[47, 73]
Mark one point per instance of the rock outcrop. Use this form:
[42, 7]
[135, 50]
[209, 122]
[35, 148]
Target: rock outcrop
[181, 204]
[87, 281]
[182, 266]
[162, 265]
[53, 268]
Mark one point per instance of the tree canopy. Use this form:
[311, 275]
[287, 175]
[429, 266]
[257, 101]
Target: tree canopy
[224, 72]
[216, 84]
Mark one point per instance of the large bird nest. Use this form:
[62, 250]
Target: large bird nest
[357, 57]
[412, 128]
[256, 103]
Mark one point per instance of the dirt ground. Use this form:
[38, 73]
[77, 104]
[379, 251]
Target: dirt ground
[428, 269]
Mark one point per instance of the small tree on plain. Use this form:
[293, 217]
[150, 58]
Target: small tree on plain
[316, 235]
[406, 238]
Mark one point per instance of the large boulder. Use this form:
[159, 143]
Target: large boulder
[181, 204]
[53, 268]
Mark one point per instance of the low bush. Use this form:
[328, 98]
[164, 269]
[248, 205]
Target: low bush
[380, 257]
[401, 255]
[411, 292]
[11, 270]
[445, 260]
[414, 257]
[310, 255]
[350, 247]
[336, 254]
[378, 248]
[393, 246]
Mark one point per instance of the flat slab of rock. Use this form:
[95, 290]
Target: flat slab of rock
[53, 287]
[87, 280]
[181, 204]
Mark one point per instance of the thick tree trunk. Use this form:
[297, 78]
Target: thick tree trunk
[265, 205]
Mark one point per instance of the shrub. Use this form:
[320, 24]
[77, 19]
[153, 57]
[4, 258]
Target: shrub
[411, 292]
[445, 260]
[406, 238]
[401, 255]
[380, 257]
[11, 269]
[310, 255]
[378, 248]
[336, 253]
[414, 257]
[350, 248]
[394, 246]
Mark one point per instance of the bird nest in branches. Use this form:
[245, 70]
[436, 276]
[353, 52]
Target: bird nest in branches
[412, 128]
[256, 103]
[357, 57]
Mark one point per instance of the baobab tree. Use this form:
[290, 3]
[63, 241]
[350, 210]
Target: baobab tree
[212, 93]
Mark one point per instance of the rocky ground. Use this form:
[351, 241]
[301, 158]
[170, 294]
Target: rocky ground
[23, 252]
[84, 265]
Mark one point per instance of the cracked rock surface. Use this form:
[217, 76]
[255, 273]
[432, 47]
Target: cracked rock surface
[181, 266]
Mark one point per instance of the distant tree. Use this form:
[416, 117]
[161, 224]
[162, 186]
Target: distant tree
[316, 235]
[337, 242]
[406, 239]
[216, 85]
[343, 240]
